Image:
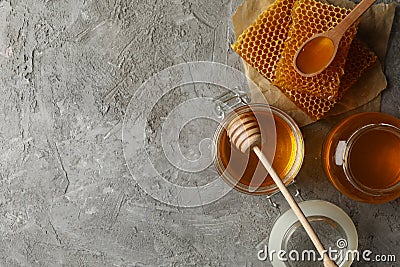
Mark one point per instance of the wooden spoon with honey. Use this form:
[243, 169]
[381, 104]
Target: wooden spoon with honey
[244, 132]
[318, 52]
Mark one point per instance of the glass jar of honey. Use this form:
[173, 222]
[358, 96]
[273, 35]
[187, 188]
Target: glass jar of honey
[361, 157]
[282, 143]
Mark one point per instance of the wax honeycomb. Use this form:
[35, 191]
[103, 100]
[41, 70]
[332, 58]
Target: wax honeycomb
[262, 43]
[310, 17]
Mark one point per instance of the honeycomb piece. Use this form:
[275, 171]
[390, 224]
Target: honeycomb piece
[261, 44]
[359, 59]
[310, 17]
[315, 107]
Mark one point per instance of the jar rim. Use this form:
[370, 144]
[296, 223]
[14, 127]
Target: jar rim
[313, 209]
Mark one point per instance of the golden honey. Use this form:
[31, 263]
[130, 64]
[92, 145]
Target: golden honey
[361, 157]
[281, 139]
[315, 55]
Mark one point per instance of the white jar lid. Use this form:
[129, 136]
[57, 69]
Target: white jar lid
[324, 216]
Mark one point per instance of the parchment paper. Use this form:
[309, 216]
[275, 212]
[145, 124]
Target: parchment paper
[374, 30]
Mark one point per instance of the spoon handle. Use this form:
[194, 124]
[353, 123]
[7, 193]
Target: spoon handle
[295, 207]
[354, 15]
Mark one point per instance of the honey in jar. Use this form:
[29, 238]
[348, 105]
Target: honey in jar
[361, 157]
[281, 141]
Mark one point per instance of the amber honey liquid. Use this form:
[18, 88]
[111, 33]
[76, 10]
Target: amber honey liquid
[370, 171]
[315, 55]
[246, 167]
[374, 158]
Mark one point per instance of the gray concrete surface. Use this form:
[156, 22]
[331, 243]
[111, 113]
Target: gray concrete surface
[68, 71]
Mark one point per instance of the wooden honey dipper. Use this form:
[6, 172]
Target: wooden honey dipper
[244, 133]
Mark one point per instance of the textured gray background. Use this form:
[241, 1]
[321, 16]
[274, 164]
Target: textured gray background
[67, 197]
